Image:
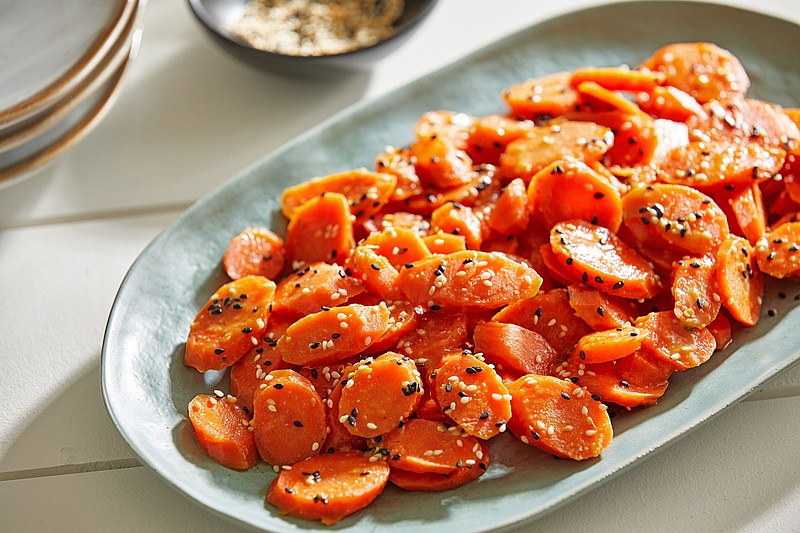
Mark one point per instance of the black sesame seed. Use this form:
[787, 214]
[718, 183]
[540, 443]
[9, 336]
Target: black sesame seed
[219, 351]
[297, 424]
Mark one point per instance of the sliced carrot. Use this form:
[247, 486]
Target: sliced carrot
[635, 137]
[321, 230]
[510, 214]
[490, 136]
[229, 324]
[550, 315]
[528, 155]
[558, 417]
[364, 191]
[255, 251]
[675, 216]
[440, 163]
[445, 243]
[780, 206]
[597, 98]
[556, 270]
[452, 126]
[435, 336]
[741, 283]
[744, 207]
[635, 380]
[470, 392]
[620, 78]
[777, 252]
[404, 318]
[398, 219]
[376, 273]
[722, 331]
[378, 394]
[704, 70]
[314, 286]
[398, 245]
[288, 419]
[541, 98]
[325, 378]
[330, 336]
[668, 340]
[328, 487]
[253, 368]
[472, 470]
[222, 431]
[714, 165]
[600, 310]
[398, 163]
[339, 438]
[513, 347]
[458, 219]
[427, 446]
[467, 281]
[602, 260]
[669, 103]
[608, 345]
[696, 291]
[590, 195]
[745, 120]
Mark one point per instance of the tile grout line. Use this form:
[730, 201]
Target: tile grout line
[81, 468]
[178, 207]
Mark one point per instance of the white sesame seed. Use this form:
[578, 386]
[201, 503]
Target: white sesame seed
[219, 393]
[590, 432]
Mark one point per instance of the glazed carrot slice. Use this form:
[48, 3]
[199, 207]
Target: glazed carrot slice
[481, 181]
[378, 394]
[491, 134]
[255, 251]
[229, 324]
[288, 419]
[470, 392]
[365, 191]
[510, 215]
[696, 291]
[440, 163]
[550, 315]
[741, 282]
[321, 230]
[668, 340]
[669, 103]
[704, 70]
[398, 219]
[635, 137]
[328, 487]
[398, 245]
[397, 161]
[314, 286]
[608, 345]
[777, 252]
[635, 380]
[376, 273]
[600, 310]
[445, 243]
[596, 97]
[330, 336]
[541, 98]
[325, 378]
[513, 347]
[404, 318]
[745, 120]
[620, 78]
[253, 368]
[435, 336]
[472, 470]
[467, 281]
[452, 126]
[524, 157]
[427, 446]
[714, 165]
[602, 260]
[722, 331]
[675, 216]
[591, 197]
[744, 207]
[222, 430]
[339, 438]
[557, 417]
[458, 219]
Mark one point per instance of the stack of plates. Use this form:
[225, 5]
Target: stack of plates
[62, 66]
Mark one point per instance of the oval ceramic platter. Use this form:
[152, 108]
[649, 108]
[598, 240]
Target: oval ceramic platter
[147, 388]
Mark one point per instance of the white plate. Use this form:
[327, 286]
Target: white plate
[147, 388]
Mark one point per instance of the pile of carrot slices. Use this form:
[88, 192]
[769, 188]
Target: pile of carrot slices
[514, 273]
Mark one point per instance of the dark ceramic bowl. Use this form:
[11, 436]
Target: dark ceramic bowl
[217, 15]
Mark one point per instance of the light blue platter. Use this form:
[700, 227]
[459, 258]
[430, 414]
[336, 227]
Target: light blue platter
[147, 388]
